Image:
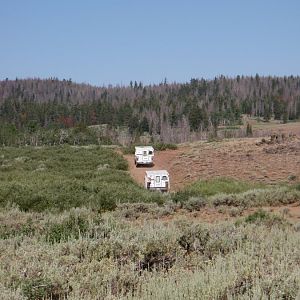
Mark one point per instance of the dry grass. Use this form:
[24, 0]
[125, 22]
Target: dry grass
[115, 259]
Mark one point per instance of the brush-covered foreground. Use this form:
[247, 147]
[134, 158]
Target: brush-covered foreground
[59, 241]
[82, 254]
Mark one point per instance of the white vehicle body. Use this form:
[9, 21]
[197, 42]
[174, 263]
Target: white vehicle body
[143, 155]
[157, 180]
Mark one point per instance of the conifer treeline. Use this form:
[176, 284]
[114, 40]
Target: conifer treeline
[159, 109]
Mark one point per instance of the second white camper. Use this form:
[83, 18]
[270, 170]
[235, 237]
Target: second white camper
[158, 180]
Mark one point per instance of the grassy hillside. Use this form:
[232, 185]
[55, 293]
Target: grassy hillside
[64, 177]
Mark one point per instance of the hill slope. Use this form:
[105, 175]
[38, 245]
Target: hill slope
[171, 111]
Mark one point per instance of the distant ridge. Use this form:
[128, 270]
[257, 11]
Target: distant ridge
[166, 109]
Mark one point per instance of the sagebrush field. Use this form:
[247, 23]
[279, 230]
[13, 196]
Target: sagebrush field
[74, 225]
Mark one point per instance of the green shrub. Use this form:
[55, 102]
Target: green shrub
[212, 187]
[42, 288]
[265, 218]
[134, 210]
[157, 255]
[224, 199]
[128, 150]
[258, 216]
[297, 187]
[8, 231]
[194, 238]
[182, 196]
[292, 177]
[73, 227]
[223, 240]
[35, 289]
[194, 203]
[164, 146]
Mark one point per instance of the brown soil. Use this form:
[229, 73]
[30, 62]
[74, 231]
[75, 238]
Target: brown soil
[242, 159]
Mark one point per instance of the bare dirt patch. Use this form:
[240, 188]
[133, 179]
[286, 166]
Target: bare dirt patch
[241, 159]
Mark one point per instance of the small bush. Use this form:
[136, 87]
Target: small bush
[128, 150]
[25, 229]
[153, 210]
[224, 199]
[265, 218]
[292, 177]
[297, 187]
[42, 288]
[158, 254]
[235, 211]
[194, 203]
[74, 227]
[181, 196]
[257, 216]
[35, 289]
[194, 238]
[163, 146]
[134, 210]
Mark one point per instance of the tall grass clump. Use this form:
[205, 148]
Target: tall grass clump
[257, 197]
[210, 187]
[230, 192]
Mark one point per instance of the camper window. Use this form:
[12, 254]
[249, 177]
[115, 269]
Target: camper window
[157, 179]
[145, 153]
[150, 152]
[164, 178]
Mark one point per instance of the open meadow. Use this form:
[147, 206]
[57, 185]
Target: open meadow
[75, 225]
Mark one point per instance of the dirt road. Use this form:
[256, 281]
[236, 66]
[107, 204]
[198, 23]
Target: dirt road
[163, 160]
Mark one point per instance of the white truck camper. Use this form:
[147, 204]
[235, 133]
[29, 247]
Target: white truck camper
[157, 180]
[143, 155]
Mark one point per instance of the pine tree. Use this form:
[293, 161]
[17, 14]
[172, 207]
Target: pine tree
[249, 130]
[144, 125]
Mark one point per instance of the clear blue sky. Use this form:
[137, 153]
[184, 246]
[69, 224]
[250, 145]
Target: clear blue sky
[115, 41]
